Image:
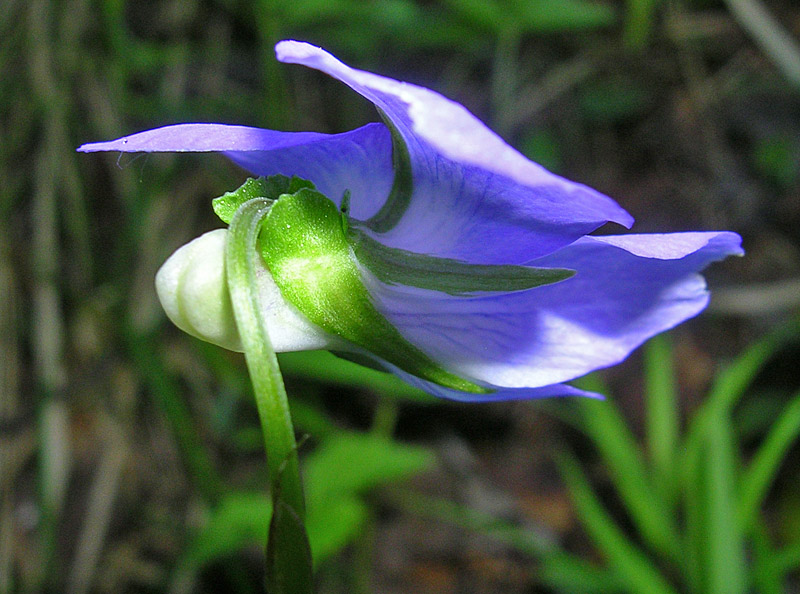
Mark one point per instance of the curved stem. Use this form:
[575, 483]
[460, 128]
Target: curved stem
[289, 567]
[273, 407]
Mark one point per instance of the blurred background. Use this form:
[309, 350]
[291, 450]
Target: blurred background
[130, 453]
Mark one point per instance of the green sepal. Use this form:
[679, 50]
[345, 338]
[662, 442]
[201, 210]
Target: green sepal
[400, 267]
[256, 187]
[304, 245]
[399, 198]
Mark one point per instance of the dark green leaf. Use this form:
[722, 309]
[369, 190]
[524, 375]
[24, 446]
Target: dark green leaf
[334, 524]
[353, 463]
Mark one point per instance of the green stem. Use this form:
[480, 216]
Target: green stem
[289, 567]
[273, 406]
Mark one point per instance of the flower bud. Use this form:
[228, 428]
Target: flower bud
[193, 291]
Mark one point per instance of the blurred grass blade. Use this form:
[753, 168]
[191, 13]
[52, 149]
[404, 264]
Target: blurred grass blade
[639, 22]
[482, 14]
[762, 470]
[534, 16]
[164, 390]
[620, 452]
[728, 389]
[525, 541]
[661, 403]
[568, 574]
[695, 550]
[767, 574]
[546, 16]
[770, 35]
[633, 566]
[731, 383]
[788, 559]
[727, 570]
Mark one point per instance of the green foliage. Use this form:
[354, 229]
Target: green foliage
[696, 503]
[637, 572]
[534, 16]
[692, 503]
[331, 472]
[342, 470]
[337, 475]
[613, 100]
[239, 519]
[639, 21]
[776, 158]
[757, 477]
[345, 374]
[619, 451]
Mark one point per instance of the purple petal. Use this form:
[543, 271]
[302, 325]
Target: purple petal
[359, 160]
[626, 290]
[199, 138]
[468, 181]
[501, 394]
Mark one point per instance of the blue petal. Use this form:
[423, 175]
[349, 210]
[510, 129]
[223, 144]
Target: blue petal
[359, 160]
[626, 289]
[469, 185]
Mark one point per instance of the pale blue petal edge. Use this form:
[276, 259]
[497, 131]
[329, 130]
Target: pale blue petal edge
[626, 290]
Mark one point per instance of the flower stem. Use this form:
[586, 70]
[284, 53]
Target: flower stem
[289, 567]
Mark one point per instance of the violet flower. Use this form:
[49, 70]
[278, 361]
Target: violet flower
[433, 181]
